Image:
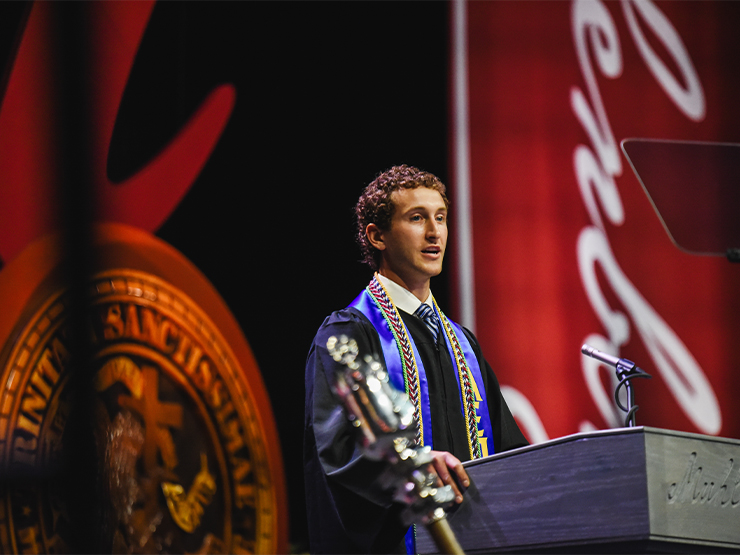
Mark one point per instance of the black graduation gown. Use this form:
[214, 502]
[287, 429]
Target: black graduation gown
[347, 511]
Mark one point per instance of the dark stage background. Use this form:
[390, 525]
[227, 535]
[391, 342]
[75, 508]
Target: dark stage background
[328, 95]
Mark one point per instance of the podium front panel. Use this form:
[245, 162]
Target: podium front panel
[694, 487]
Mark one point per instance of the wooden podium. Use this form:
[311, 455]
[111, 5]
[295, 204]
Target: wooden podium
[628, 490]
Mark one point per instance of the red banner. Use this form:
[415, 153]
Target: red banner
[567, 247]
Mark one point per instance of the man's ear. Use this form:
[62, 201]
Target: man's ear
[375, 235]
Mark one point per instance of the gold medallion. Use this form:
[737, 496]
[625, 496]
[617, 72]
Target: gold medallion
[183, 448]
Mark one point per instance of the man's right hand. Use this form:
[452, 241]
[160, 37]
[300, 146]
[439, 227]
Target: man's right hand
[450, 472]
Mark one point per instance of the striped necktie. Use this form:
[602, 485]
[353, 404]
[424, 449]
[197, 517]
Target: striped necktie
[426, 313]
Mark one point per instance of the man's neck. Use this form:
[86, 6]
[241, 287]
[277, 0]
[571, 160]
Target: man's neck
[419, 290]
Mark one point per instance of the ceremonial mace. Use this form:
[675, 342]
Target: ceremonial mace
[387, 429]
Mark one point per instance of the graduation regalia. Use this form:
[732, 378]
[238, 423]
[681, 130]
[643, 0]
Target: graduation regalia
[348, 512]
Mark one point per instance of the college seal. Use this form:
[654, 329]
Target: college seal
[183, 455]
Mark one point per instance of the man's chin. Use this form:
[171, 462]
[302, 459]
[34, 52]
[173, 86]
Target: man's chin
[435, 270]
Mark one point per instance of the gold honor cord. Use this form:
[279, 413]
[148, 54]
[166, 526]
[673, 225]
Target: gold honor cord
[408, 360]
[465, 378]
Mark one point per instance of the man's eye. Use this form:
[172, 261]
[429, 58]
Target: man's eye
[441, 219]
[415, 218]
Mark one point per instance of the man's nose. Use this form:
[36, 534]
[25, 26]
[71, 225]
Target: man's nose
[433, 228]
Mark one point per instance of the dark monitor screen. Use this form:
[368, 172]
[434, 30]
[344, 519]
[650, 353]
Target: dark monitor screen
[694, 188]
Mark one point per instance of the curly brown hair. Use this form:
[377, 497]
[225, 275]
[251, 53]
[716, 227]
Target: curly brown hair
[375, 206]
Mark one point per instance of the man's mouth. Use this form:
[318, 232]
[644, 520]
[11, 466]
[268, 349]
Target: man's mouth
[431, 250]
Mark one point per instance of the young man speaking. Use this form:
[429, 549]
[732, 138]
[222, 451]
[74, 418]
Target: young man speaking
[402, 231]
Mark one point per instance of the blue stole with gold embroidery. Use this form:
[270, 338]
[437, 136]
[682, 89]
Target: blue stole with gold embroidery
[392, 333]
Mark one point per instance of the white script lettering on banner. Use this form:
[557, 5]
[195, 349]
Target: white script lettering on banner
[595, 169]
[525, 414]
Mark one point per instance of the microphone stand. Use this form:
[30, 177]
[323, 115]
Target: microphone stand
[626, 370]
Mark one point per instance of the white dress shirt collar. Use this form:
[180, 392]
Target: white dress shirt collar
[402, 297]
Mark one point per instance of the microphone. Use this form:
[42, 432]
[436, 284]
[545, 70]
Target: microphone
[624, 367]
[606, 358]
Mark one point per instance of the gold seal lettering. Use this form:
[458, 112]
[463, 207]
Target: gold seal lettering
[172, 408]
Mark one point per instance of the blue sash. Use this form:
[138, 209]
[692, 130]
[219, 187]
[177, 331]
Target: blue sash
[483, 418]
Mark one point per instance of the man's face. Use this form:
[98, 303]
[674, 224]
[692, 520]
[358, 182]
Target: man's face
[414, 245]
